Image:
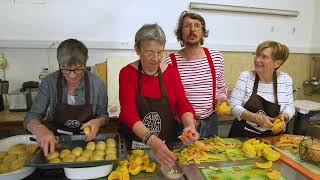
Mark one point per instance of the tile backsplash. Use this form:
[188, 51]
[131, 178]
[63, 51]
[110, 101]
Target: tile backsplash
[298, 66]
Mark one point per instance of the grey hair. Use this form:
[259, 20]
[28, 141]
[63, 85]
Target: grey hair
[149, 32]
[71, 52]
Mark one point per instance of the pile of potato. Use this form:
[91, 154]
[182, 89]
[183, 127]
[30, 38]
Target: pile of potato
[93, 151]
[16, 157]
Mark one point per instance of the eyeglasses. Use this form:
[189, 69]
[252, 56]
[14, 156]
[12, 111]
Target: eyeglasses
[188, 27]
[263, 57]
[78, 72]
[151, 53]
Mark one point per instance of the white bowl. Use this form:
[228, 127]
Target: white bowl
[88, 172]
[5, 144]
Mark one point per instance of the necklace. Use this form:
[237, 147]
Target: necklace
[150, 74]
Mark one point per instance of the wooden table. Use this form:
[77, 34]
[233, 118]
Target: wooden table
[10, 121]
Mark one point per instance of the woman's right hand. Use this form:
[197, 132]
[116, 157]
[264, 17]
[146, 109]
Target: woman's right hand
[163, 155]
[46, 139]
[263, 121]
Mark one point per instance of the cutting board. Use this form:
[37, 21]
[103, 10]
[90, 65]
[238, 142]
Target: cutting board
[242, 172]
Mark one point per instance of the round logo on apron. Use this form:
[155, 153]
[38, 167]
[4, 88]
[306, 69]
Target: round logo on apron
[72, 124]
[153, 122]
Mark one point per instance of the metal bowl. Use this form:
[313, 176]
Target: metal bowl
[308, 154]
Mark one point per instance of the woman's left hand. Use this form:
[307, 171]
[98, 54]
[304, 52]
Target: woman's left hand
[189, 135]
[94, 125]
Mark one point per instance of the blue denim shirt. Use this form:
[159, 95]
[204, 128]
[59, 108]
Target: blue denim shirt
[46, 98]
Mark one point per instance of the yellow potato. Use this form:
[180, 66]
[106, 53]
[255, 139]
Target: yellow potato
[113, 109]
[98, 152]
[23, 157]
[111, 157]
[31, 148]
[52, 155]
[55, 161]
[87, 153]
[111, 145]
[4, 168]
[111, 151]
[77, 151]
[3, 154]
[64, 152]
[82, 159]
[87, 131]
[8, 159]
[91, 146]
[15, 165]
[101, 145]
[96, 158]
[110, 142]
[69, 158]
[17, 149]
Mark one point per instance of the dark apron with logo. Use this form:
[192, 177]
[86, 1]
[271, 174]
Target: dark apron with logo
[256, 104]
[67, 119]
[155, 114]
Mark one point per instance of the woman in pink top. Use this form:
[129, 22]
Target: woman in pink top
[151, 95]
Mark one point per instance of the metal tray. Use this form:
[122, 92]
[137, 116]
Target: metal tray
[70, 142]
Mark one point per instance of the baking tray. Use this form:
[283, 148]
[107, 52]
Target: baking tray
[70, 142]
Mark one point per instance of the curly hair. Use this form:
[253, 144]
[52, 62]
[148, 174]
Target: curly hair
[192, 15]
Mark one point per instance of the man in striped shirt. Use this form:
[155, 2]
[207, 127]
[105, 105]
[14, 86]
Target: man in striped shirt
[201, 72]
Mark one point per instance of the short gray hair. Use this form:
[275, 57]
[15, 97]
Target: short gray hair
[149, 32]
[71, 52]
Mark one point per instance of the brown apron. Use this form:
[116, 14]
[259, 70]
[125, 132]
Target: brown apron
[256, 104]
[155, 114]
[67, 119]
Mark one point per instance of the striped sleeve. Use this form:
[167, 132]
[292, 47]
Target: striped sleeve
[289, 106]
[219, 66]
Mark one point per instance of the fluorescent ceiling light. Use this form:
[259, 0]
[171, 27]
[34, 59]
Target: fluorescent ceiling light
[243, 9]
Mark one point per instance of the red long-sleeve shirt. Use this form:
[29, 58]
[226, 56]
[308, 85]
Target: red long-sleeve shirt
[150, 87]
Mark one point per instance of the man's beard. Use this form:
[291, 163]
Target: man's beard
[193, 43]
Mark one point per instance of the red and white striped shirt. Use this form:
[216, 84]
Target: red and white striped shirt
[196, 78]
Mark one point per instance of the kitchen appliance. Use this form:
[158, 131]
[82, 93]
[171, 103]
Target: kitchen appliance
[19, 100]
[32, 87]
[22, 99]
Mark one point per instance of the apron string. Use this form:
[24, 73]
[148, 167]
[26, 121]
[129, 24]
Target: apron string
[275, 86]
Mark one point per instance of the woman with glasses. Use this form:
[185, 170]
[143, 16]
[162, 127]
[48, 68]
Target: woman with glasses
[74, 98]
[151, 96]
[262, 95]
